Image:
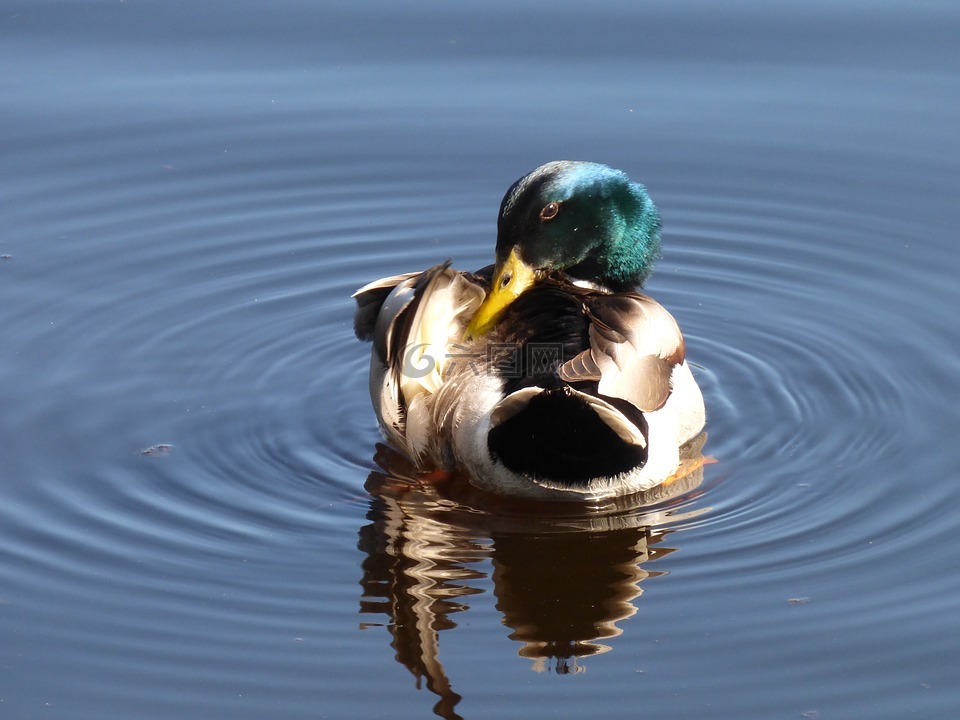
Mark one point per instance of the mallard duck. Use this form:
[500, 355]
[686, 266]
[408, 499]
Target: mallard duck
[546, 375]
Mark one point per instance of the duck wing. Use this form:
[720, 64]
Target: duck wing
[635, 344]
[370, 299]
[413, 320]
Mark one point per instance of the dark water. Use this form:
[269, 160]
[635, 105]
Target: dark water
[189, 193]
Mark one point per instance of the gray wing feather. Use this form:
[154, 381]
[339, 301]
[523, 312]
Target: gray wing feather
[634, 345]
[370, 299]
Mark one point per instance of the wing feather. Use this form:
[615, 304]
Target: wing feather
[370, 299]
[634, 346]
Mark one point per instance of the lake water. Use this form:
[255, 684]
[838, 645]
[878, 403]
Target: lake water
[196, 520]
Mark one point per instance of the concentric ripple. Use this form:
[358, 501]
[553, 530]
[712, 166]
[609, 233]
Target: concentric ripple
[271, 398]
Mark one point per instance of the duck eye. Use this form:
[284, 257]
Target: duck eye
[549, 211]
[505, 280]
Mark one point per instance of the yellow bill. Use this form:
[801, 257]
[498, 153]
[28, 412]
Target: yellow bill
[510, 279]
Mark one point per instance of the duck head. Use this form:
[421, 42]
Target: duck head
[585, 219]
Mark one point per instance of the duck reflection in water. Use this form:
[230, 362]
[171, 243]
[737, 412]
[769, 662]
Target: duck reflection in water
[563, 578]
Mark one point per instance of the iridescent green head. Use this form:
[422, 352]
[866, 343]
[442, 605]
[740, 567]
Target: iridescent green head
[585, 219]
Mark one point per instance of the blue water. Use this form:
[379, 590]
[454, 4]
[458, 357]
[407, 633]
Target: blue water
[196, 520]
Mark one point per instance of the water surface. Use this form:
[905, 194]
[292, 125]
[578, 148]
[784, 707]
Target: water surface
[196, 517]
